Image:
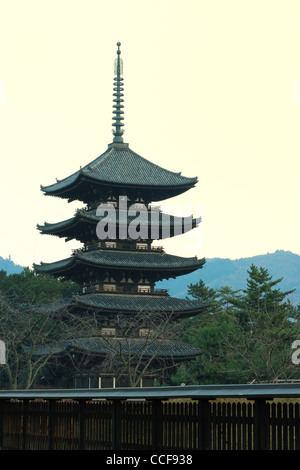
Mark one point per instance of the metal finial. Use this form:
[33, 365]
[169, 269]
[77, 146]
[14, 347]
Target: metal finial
[118, 100]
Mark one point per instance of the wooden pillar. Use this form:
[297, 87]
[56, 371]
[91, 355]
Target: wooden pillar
[260, 441]
[157, 425]
[81, 409]
[116, 425]
[25, 421]
[204, 436]
[50, 424]
[1, 423]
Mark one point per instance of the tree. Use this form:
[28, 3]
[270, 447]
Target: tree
[264, 328]
[248, 334]
[264, 344]
[261, 293]
[26, 325]
[137, 345]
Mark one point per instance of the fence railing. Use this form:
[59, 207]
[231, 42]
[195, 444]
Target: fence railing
[244, 417]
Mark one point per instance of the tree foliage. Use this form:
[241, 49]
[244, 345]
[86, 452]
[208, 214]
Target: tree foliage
[27, 325]
[245, 336]
[133, 349]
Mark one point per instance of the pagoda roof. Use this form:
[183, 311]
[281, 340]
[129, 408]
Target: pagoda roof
[100, 346]
[129, 304]
[121, 167]
[124, 260]
[139, 303]
[69, 227]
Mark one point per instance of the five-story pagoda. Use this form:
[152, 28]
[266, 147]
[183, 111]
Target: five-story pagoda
[118, 265]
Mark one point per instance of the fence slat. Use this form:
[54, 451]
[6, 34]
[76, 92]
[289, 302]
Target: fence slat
[230, 424]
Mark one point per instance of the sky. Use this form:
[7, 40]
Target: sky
[211, 89]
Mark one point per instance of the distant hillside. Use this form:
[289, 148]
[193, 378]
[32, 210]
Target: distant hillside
[218, 272]
[9, 266]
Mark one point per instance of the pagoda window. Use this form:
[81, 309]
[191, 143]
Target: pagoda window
[145, 332]
[141, 246]
[108, 331]
[139, 205]
[144, 288]
[111, 244]
[109, 287]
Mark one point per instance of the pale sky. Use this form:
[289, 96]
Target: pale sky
[212, 89]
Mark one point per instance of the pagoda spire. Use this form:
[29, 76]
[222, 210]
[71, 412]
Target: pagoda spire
[118, 100]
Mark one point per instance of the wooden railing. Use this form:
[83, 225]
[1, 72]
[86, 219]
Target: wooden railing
[125, 247]
[119, 289]
[158, 418]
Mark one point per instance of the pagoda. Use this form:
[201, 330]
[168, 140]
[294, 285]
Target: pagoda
[118, 266]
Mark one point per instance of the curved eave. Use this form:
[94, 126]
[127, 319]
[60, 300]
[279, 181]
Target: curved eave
[126, 261]
[58, 268]
[128, 304]
[84, 185]
[111, 304]
[166, 349]
[67, 228]
[119, 167]
[137, 347]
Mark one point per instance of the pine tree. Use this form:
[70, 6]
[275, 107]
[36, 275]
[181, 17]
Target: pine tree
[261, 293]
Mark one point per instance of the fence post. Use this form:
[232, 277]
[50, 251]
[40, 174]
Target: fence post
[1, 423]
[25, 422]
[204, 437]
[50, 423]
[260, 424]
[157, 425]
[116, 425]
[81, 408]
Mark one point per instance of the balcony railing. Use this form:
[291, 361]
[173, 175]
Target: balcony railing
[104, 246]
[116, 289]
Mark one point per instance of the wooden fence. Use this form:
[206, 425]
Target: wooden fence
[169, 418]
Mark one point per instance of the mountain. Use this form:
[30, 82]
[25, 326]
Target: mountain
[9, 266]
[218, 272]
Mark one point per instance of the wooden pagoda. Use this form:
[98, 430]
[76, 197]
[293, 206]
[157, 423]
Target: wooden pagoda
[118, 273]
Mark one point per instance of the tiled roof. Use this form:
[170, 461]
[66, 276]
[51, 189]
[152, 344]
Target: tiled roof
[128, 304]
[89, 216]
[119, 165]
[138, 303]
[124, 259]
[134, 346]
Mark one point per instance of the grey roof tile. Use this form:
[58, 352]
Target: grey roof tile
[134, 346]
[123, 259]
[120, 165]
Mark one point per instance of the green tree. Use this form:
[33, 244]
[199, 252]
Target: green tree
[262, 294]
[217, 364]
[264, 328]
[35, 288]
[28, 324]
[247, 335]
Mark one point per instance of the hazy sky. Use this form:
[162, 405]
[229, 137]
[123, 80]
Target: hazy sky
[212, 89]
